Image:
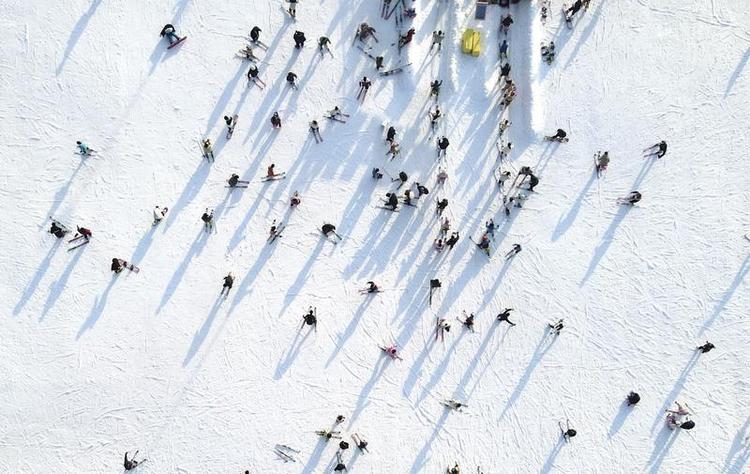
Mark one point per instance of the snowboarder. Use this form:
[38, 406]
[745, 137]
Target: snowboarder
[228, 282]
[504, 50]
[441, 205]
[235, 180]
[434, 117]
[170, 32]
[315, 130]
[275, 120]
[364, 86]
[490, 227]
[468, 321]
[441, 328]
[208, 220]
[255, 34]
[504, 316]
[437, 39]
[361, 443]
[390, 134]
[435, 88]
[602, 161]
[311, 318]
[559, 136]
[406, 39]
[438, 245]
[659, 150]
[376, 174]
[442, 145]
[291, 79]
[442, 176]
[513, 251]
[299, 39]
[452, 240]
[548, 52]
[84, 149]
[252, 75]
[630, 199]
[504, 72]
[705, 347]
[569, 432]
[131, 463]
[391, 201]
[505, 23]
[58, 230]
[329, 229]
[295, 200]
[557, 327]
[323, 47]
[633, 398]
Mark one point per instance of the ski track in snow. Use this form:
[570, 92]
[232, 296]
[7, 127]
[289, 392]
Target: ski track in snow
[95, 365]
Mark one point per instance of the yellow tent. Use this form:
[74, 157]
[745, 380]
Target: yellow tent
[471, 43]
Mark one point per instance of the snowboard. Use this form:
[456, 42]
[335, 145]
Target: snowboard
[179, 41]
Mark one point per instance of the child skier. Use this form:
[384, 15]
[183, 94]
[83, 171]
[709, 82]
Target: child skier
[228, 282]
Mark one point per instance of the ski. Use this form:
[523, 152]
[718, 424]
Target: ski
[355, 437]
[237, 186]
[367, 52]
[562, 431]
[335, 119]
[394, 357]
[365, 291]
[286, 457]
[284, 447]
[176, 43]
[279, 230]
[274, 177]
[395, 70]
[258, 43]
[91, 152]
[386, 208]
[79, 245]
[230, 128]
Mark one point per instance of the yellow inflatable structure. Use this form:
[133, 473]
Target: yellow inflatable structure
[471, 43]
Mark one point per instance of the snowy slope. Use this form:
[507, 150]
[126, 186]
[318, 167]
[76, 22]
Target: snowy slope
[96, 365]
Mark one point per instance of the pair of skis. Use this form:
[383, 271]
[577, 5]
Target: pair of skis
[335, 118]
[286, 453]
[275, 177]
[76, 239]
[390, 353]
[395, 70]
[279, 229]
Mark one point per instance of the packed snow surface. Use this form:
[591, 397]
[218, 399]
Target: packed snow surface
[95, 364]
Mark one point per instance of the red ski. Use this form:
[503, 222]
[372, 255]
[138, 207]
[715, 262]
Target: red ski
[177, 42]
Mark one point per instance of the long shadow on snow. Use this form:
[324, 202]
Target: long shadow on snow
[61, 193]
[303, 275]
[31, 287]
[422, 457]
[439, 371]
[314, 459]
[191, 190]
[96, 311]
[739, 452]
[202, 332]
[672, 396]
[58, 286]
[143, 245]
[294, 349]
[174, 282]
[245, 287]
[601, 248]
[544, 345]
[662, 444]
[586, 33]
[550, 462]
[221, 103]
[737, 72]
[619, 420]
[350, 328]
[722, 302]
[564, 223]
[75, 35]
[364, 394]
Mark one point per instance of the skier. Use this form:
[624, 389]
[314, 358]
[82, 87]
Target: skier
[406, 39]
[117, 265]
[484, 244]
[504, 316]
[504, 50]
[513, 251]
[468, 321]
[208, 149]
[504, 176]
[299, 39]
[630, 199]
[441, 329]
[452, 240]
[705, 347]
[402, 178]
[394, 149]
[509, 93]
[392, 351]
[568, 433]
[364, 86]
[361, 443]
[228, 282]
[328, 434]
[633, 398]
[454, 470]
[376, 174]
[442, 176]
[234, 180]
[311, 318]
[57, 230]
[559, 136]
[170, 32]
[445, 226]
[130, 464]
[392, 201]
[295, 200]
[434, 117]
[208, 220]
[378, 63]
[490, 227]
[407, 197]
[442, 145]
[441, 205]
[437, 39]
[390, 134]
[271, 171]
[315, 129]
[274, 231]
[83, 149]
[339, 419]
[454, 404]
[291, 79]
[548, 52]
[438, 245]
[275, 120]
[328, 229]
[602, 160]
[255, 34]
[570, 12]
[340, 466]
[504, 72]
[504, 124]
[505, 23]
[505, 150]
[557, 327]
[372, 287]
[660, 149]
[365, 31]
[252, 75]
[323, 43]
[421, 190]
[82, 232]
[292, 8]
[508, 203]
[435, 88]
[248, 54]
[533, 181]
[674, 417]
[337, 114]
[343, 445]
